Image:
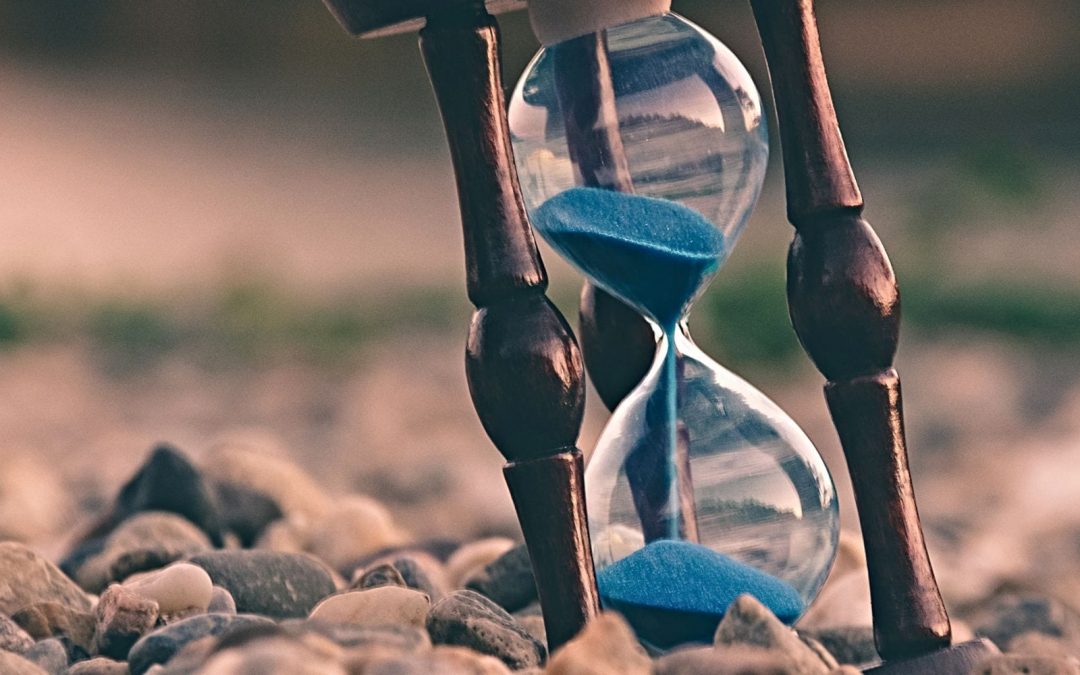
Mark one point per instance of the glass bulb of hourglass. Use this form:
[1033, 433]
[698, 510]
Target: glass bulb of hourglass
[700, 488]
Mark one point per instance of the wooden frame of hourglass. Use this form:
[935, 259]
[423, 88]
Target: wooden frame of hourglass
[523, 364]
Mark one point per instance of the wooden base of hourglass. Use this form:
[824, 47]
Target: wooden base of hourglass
[523, 365]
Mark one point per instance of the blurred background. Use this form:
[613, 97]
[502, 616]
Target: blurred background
[229, 220]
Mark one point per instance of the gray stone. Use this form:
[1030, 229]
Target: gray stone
[13, 638]
[99, 666]
[221, 601]
[14, 664]
[281, 654]
[45, 620]
[749, 623]
[1009, 616]
[606, 646]
[852, 645]
[50, 655]
[27, 578]
[123, 617]
[245, 512]
[162, 644]
[146, 541]
[383, 574]
[468, 619]
[278, 585]
[735, 660]
[1025, 664]
[507, 580]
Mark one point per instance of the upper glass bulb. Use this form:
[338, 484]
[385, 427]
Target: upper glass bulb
[690, 124]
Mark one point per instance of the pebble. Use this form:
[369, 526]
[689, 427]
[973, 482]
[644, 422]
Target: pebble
[272, 655]
[99, 666]
[123, 616]
[180, 588]
[271, 583]
[842, 602]
[1039, 644]
[160, 645]
[736, 660]
[289, 535]
[1009, 616]
[34, 502]
[468, 619]
[384, 574]
[507, 580]
[45, 620]
[852, 644]
[168, 481]
[221, 601]
[50, 655]
[13, 638]
[245, 512]
[1017, 664]
[14, 664]
[143, 542]
[27, 578]
[356, 527]
[534, 624]
[607, 646]
[247, 465]
[417, 570]
[470, 558]
[401, 638]
[443, 660]
[386, 605]
[749, 623]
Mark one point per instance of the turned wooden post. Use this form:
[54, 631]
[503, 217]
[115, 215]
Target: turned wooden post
[522, 362]
[845, 307]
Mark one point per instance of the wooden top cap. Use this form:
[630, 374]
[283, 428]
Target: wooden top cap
[372, 18]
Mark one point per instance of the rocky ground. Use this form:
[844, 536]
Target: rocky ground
[242, 563]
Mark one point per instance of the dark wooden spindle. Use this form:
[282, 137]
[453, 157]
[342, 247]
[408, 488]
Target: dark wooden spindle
[523, 365]
[845, 306]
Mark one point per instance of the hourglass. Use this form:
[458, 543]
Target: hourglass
[700, 488]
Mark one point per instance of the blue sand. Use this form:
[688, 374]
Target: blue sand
[653, 253]
[667, 581]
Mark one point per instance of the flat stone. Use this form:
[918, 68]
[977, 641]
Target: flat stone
[123, 617]
[474, 556]
[244, 511]
[852, 645]
[14, 664]
[468, 619]
[180, 588]
[1009, 616]
[386, 605]
[507, 580]
[738, 660]
[444, 660]
[607, 646]
[383, 574]
[221, 601]
[13, 638]
[401, 638]
[145, 541]
[162, 644]
[27, 578]
[50, 655]
[274, 584]
[357, 526]
[1025, 664]
[99, 666]
[749, 623]
[45, 620]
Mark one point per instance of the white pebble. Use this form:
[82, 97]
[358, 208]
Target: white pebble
[180, 587]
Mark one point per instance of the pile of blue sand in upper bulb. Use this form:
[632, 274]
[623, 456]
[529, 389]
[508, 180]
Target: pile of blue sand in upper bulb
[653, 253]
[674, 592]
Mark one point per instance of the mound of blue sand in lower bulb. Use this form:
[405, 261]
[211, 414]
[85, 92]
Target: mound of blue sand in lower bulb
[653, 253]
[674, 592]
